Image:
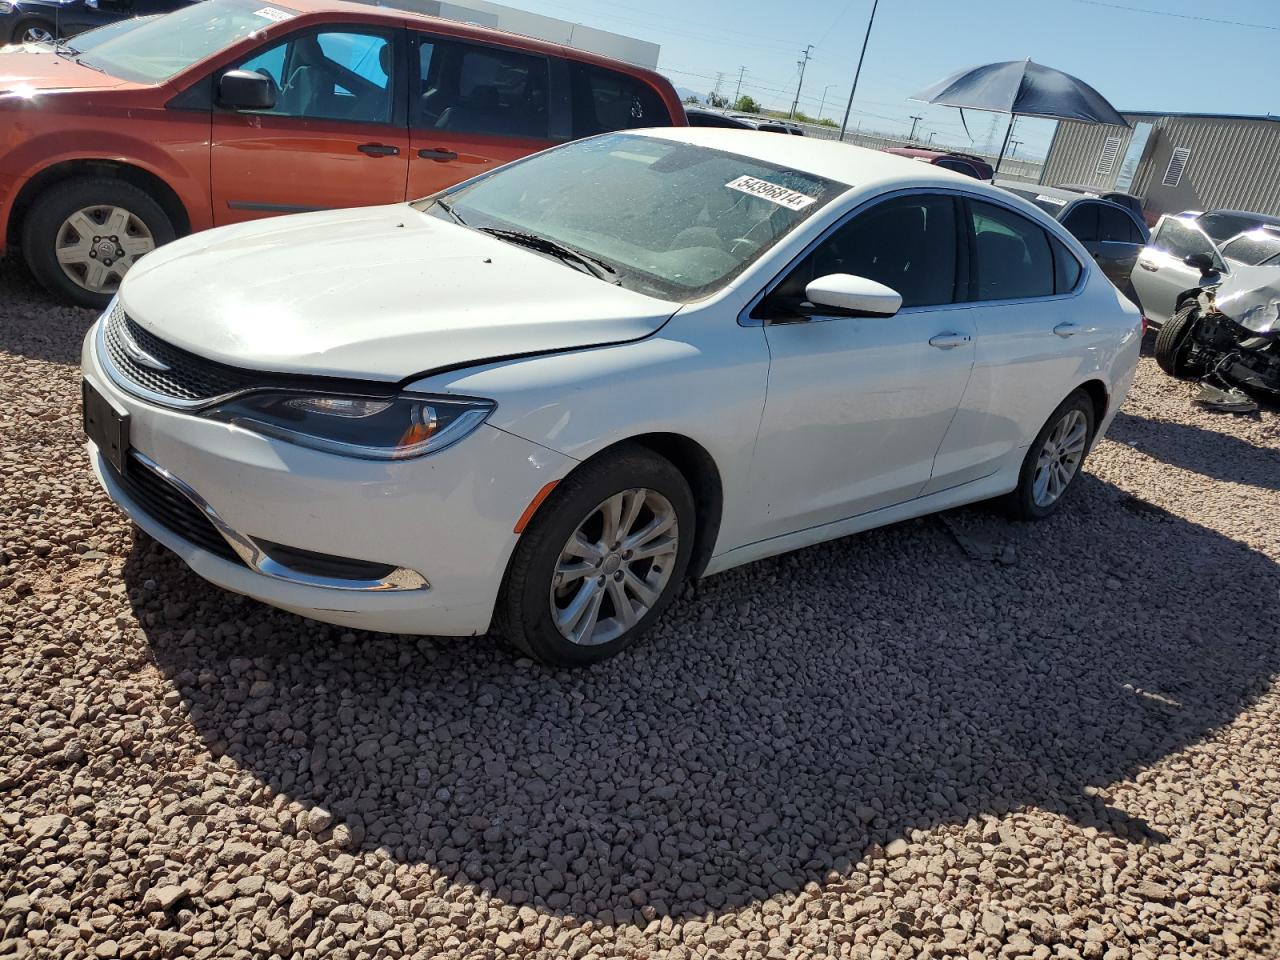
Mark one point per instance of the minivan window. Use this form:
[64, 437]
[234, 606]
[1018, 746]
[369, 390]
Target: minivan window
[329, 75]
[605, 100]
[1014, 260]
[162, 47]
[675, 220]
[472, 88]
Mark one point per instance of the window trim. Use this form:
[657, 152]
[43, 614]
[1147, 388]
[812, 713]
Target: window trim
[556, 101]
[964, 255]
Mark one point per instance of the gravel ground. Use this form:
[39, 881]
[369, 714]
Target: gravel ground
[959, 736]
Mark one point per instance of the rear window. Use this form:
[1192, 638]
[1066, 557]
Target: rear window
[605, 100]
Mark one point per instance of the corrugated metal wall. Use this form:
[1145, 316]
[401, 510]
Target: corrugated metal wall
[1234, 163]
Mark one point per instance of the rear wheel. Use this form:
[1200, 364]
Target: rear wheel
[1054, 459]
[601, 561]
[81, 236]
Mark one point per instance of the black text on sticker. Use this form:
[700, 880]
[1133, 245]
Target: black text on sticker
[771, 192]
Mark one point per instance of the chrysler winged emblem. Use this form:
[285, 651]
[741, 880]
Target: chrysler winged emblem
[138, 355]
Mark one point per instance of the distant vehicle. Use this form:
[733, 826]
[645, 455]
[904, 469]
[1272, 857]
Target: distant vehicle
[767, 124]
[1225, 240]
[1127, 200]
[545, 397]
[965, 163]
[231, 110]
[1111, 233]
[43, 21]
[704, 117]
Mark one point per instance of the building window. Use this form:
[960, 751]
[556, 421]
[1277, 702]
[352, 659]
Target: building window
[1177, 163]
[1107, 160]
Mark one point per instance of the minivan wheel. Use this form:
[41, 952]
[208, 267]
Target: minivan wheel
[81, 236]
[33, 30]
[1054, 459]
[601, 560]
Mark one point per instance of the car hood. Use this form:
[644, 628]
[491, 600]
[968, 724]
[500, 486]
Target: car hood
[1251, 297]
[378, 293]
[25, 72]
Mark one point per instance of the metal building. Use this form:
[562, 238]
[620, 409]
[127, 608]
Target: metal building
[1174, 161]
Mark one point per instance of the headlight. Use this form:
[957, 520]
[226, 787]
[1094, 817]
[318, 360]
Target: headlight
[368, 428]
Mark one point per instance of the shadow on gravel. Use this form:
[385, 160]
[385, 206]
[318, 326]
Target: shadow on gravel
[779, 725]
[33, 324]
[1207, 452]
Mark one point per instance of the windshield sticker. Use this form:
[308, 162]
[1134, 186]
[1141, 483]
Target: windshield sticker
[1043, 198]
[771, 192]
[272, 14]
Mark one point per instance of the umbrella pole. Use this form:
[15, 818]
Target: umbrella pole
[1008, 132]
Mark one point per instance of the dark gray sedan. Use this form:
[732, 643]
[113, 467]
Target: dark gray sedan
[1113, 235]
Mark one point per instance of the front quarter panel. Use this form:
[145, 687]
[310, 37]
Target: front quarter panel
[702, 377]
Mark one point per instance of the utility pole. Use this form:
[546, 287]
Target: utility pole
[932, 134]
[857, 73]
[823, 102]
[1013, 147]
[737, 94]
[915, 119]
[799, 86]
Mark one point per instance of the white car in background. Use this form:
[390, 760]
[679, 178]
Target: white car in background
[549, 395]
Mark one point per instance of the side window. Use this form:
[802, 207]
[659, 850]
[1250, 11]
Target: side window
[908, 243]
[605, 100]
[469, 88]
[330, 75]
[1014, 261]
[1115, 225]
[1180, 240]
[1066, 268]
[1082, 222]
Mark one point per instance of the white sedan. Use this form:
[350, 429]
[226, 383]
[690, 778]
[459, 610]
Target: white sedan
[546, 397]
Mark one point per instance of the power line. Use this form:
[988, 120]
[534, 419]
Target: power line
[1179, 16]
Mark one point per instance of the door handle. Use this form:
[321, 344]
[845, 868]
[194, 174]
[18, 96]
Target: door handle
[1065, 330]
[949, 341]
[1148, 265]
[437, 153]
[378, 150]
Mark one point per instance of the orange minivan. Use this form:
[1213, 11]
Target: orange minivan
[125, 137]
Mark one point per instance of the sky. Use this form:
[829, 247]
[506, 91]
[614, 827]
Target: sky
[1163, 55]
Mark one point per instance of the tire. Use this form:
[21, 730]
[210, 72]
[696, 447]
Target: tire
[35, 25]
[529, 594]
[1025, 501]
[131, 223]
[1173, 340]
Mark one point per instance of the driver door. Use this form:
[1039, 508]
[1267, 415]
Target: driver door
[336, 137]
[1161, 275]
[857, 407]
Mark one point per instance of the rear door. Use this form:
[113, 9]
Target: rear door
[1161, 274]
[473, 107]
[336, 136]
[1120, 241]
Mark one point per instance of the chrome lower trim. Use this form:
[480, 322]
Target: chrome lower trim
[257, 560]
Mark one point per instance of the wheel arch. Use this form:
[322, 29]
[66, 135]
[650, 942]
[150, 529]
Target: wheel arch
[1100, 397]
[65, 170]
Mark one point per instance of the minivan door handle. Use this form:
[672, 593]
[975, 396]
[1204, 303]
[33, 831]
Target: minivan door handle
[378, 150]
[1065, 330]
[949, 341]
[437, 153]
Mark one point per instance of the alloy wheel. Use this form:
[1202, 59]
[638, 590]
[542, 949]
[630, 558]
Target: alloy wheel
[97, 245]
[1060, 457]
[36, 34]
[614, 567]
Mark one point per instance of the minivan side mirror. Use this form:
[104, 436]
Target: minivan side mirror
[853, 296]
[1200, 261]
[246, 90]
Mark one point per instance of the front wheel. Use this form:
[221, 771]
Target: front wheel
[81, 236]
[1054, 459]
[601, 561]
[1174, 342]
[34, 30]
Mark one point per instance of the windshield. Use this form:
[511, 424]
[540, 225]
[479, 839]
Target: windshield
[674, 220]
[91, 38]
[1222, 225]
[1254, 248]
[158, 48]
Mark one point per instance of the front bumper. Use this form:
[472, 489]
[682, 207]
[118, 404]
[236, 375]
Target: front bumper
[448, 516]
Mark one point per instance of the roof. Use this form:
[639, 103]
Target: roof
[1037, 189]
[842, 162]
[1201, 116]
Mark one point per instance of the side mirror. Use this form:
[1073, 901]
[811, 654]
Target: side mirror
[853, 296]
[1200, 261]
[246, 90]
